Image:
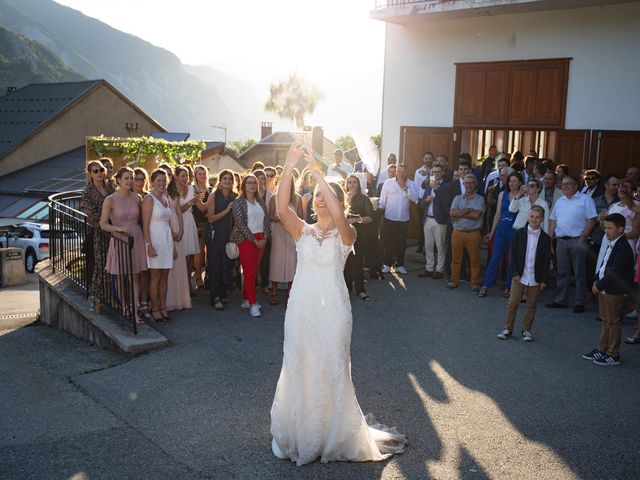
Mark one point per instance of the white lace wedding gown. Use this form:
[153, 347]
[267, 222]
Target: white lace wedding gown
[315, 412]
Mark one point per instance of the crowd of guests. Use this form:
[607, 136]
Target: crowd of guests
[193, 230]
[535, 216]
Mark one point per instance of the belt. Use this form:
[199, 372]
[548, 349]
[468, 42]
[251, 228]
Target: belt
[430, 216]
[469, 231]
[567, 238]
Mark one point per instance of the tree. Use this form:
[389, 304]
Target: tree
[377, 139]
[238, 146]
[345, 142]
[293, 99]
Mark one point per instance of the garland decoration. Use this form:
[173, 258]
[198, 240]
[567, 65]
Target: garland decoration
[135, 148]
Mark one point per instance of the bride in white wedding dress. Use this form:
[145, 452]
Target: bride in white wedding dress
[315, 413]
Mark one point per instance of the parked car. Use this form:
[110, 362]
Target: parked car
[32, 237]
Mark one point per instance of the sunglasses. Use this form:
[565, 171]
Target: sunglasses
[97, 170]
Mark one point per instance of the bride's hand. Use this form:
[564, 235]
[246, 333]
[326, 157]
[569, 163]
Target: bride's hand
[311, 161]
[294, 153]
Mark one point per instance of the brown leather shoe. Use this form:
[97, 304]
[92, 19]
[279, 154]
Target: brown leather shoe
[437, 275]
[425, 274]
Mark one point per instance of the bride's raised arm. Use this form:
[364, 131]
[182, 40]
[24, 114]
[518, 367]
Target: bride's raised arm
[334, 206]
[288, 216]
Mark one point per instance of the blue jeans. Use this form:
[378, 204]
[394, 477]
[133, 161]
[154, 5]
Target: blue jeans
[501, 244]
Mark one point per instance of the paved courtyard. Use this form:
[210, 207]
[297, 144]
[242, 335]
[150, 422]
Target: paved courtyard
[424, 359]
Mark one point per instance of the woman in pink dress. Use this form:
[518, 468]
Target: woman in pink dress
[178, 293]
[121, 217]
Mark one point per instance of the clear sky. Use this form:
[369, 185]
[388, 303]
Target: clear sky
[332, 43]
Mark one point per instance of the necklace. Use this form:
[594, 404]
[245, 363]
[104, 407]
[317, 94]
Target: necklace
[161, 200]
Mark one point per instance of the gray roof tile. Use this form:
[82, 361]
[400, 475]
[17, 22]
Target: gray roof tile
[24, 111]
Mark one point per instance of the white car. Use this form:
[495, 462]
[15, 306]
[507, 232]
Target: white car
[32, 237]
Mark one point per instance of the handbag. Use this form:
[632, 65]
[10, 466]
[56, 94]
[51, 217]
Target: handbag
[232, 250]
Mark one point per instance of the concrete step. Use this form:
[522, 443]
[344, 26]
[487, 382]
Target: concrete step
[64, 305]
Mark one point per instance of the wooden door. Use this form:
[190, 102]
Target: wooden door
[572, 149]
[614, 151]
[414, 142]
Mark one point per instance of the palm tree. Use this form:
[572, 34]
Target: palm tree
[293, 99]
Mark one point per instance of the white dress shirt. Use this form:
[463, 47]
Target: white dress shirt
[529, 272]
[395, 201]
[607, 254]
[332, 170]
[383, 176]
[572, 214]
[418, 178]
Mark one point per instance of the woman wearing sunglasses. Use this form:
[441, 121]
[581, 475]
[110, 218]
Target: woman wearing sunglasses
[529, 196]
[95, 245]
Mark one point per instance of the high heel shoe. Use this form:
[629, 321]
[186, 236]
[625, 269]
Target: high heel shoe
[143, 308]
[165, 315]
[156, 319]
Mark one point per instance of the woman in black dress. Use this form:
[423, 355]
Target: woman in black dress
[361, 217]
[219, 215]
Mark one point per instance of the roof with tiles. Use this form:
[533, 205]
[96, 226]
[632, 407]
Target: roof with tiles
[25, 110]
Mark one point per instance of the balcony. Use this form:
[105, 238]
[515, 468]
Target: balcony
[410, 11]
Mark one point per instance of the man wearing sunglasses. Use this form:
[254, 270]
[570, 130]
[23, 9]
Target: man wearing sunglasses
[592, 186]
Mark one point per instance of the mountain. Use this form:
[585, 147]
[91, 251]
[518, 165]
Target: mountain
[150, 76]
[24, 61]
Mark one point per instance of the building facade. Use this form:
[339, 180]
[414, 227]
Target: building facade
[555, 77]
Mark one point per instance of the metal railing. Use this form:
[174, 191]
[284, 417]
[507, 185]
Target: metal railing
[78, 250]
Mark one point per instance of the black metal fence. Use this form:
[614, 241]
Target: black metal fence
[78, 250]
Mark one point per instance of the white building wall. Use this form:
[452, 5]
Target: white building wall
[604, 75]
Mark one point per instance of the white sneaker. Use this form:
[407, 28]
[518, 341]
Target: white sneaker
[245, 303]
[504, 334]
[631, 315]
[401, 270]
[385, 269]
[526, 336]
[254, 310]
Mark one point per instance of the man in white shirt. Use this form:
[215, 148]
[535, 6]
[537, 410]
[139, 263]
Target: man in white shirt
[395, 197]
[339, 168]
[573, 217]
[383, 176]
[420, 181]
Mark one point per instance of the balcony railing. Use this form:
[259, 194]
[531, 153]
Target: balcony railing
[386, 4]
[72, 244]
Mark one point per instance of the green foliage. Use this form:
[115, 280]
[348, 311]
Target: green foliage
[238, 146]
[377, 139]
[345, 142]
[137, 147]
[293, 98]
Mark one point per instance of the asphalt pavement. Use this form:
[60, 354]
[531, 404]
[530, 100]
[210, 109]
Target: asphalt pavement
[424, 359]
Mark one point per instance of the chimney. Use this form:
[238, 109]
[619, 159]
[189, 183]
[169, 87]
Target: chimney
[266, 129]
[11, 89]
[317, 140]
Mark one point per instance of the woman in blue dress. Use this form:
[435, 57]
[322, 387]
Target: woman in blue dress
[502, 227]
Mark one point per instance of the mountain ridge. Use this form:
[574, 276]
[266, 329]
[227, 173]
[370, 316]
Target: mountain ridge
[182, 97]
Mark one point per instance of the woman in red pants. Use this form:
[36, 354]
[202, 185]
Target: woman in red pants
[250, 231]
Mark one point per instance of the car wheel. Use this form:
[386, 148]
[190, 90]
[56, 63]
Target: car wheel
[30, 261]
